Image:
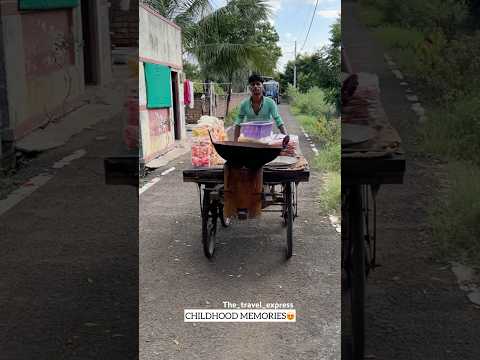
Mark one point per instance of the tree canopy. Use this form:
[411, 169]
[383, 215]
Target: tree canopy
[236, 38]
[319, 69]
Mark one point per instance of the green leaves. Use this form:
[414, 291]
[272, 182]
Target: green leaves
[320, 69]
[228, 42]
[233, 39]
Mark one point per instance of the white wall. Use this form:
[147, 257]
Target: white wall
[160, 42]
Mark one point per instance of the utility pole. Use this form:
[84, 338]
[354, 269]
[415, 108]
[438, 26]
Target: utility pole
[295, 66]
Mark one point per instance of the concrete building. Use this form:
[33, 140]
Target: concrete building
[49, 54]
[160, 76]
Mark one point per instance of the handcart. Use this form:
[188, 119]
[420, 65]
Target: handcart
[279, 195]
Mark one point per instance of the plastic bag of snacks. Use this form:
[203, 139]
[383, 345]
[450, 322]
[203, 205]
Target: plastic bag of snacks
[292, 146]
[203, 152]
[264, 140]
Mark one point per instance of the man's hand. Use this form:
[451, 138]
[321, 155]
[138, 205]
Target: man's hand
[236, 133]
[282, 129]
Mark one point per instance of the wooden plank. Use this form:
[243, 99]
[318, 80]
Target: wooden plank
[215, 175]
[386, 170]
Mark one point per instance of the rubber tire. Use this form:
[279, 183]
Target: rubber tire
[289, 219]
[357, 291]
[209, 231]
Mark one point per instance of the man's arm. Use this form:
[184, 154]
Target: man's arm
[238, 120]
[278, 119]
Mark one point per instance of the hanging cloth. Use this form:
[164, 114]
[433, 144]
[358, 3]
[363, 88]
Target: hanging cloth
[186, 92]
[191, 94]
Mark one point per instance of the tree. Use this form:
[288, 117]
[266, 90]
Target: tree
[192, 71]
[183, 12]
[333, 59]
[227, 41]
[267, 37]
[319, 69]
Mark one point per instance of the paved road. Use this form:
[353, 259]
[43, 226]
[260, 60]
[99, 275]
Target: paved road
[69, 259]
[249, 266]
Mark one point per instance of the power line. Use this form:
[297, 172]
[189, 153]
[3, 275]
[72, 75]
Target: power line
[311, 22]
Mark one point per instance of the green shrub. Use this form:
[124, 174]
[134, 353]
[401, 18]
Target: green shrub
[450, 69]
[292, 93]
[197, 88]
[456, 218]
[312, 103]
[330, 129]
[427, 15]
[330, 195]
[371, 16]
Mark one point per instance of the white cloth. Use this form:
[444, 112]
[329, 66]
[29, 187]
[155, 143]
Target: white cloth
[191, 105]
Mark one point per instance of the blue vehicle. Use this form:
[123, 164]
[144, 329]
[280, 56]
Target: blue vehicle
[271, 89]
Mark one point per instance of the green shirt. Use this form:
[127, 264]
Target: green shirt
[268, 110]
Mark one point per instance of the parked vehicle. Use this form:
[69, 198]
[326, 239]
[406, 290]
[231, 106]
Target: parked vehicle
[272, 90]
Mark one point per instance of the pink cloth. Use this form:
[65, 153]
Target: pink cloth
[187, 93]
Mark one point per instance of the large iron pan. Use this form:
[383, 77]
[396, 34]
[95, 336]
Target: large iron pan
[250, 155]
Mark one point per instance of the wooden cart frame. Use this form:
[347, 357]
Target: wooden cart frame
[210, 185]
[361, 181]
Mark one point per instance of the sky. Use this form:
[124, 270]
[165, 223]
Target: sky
[291, 19]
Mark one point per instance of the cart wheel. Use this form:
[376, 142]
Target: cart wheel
[223, 220]
[209, 225]
[358, 275]
[284, 206]
[289, 219]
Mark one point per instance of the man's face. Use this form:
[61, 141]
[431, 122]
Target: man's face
[256, 88]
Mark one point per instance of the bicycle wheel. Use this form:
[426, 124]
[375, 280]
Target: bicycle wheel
[209, 225]
[289, 219]
[358, 278]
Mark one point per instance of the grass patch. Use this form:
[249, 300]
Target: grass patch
[455, 132]
[322, 130]
[330, 195]
[311, 103]
[322, 124]
[397, 37]
[456, 218]
[329, 158]
[309, 124]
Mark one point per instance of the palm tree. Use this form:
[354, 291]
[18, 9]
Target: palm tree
[224, 41]
[183, 12]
